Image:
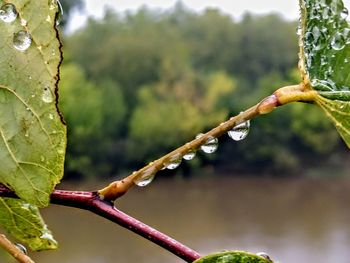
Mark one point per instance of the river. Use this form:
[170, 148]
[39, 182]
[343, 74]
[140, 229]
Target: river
[292, 219]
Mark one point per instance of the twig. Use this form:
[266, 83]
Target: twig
[282, 96]
[14, 250]
[92, 202]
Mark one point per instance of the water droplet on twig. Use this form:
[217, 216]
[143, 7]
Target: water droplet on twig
[240, 131]
[146, 177]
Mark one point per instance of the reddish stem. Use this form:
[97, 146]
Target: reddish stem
[91, 201]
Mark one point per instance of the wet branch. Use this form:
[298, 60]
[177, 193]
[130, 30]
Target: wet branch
[92, 202]
[280, 97]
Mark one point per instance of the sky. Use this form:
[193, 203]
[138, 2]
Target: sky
[288, 8]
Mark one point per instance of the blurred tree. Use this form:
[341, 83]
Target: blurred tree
[266, 44]
[94, 114]
[171, 112]
[172, 74]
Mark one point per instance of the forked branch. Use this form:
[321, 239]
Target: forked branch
[101, 202]
[92, 202]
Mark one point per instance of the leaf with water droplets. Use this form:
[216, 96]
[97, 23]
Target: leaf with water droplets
[24, 222]
[325, 58]
[30, 124]
[32, 135]
[233, 257]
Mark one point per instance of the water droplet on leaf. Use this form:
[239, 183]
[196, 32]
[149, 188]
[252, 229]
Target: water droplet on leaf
[8, 13]
[60, 14]
[240, 131]
[344, 14]
[338, 41]
[327, 13]
[263, 255]
[225, 259]
[52, 5]
[146, 177]
[48, 236]
[22, 40]
[47, 96]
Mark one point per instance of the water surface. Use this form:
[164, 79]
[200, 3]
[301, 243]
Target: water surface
[294, 220]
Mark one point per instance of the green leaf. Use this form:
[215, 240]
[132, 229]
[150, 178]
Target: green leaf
[325, 58]
[233, 257]
[32, 135]
[339, 113]
[24, 222]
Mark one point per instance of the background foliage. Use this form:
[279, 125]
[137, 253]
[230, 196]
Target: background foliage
[135, 86]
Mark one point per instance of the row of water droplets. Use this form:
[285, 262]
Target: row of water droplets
[237, 133]
[22, 40]
[327, 33]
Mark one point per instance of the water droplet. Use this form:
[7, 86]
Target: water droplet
[323, 85]
[327, 13]
[225, 259]
[315, 39]
[60, 13]
[146, 177]
[344, 14]
[53, 4]
[338, 41]
[47, 96]
[8, 13]
[337, 6]
[42, 158]
[22, 248]
[25, 206]
[51, 116]
[299, 31]
[210, 146]
[174, 162]
[346, 34]
[48, 236]
[22, 40]
[263, 255]
[240, 131]
[189, 155]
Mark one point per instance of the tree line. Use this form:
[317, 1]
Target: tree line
[136, 85]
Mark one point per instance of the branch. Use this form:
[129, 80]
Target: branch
[100, 202]
[92, 202]
[14, 250]
[280, 97]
